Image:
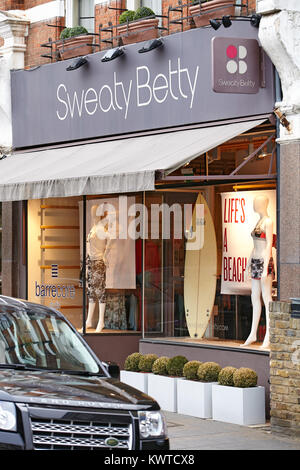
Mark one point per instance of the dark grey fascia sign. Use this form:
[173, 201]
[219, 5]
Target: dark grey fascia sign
[198, 76]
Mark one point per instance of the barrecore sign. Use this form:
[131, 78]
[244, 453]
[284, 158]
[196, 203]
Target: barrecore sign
[195, 77]
[238, 221]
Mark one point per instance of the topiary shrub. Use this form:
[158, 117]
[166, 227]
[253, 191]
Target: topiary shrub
[160, 366]
[132, 362]
[143, 12]
[175, 365]
[71, 32]
[190, 370]
[209, 372]
[244, 378]
[226, 376]
[126, 16]
[146, 362]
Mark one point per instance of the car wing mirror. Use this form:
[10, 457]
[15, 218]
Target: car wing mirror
[113, 369]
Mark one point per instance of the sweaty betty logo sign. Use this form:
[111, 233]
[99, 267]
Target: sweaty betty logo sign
[235, 65]
[118, 95]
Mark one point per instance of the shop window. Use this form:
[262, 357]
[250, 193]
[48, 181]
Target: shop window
[80, 262]
[86, 14]
[169, 263]
[200, 293]
[80, 12]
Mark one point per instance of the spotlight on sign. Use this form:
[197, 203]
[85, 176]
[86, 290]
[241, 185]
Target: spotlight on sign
[226, 21]
[112, 54]
[150, 45]
[215, 24]
[255, 20]
[78, 62]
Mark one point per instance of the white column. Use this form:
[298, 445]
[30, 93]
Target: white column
[13, 29]
[279, 33]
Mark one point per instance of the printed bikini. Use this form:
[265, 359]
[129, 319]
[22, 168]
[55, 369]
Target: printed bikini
[257, 264]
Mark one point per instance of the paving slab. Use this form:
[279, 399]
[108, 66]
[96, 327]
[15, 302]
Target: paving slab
[189, 433]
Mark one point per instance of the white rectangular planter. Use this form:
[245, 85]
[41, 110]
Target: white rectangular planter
[245, 406]
[138, 380]
[194, 398]
[164, 390]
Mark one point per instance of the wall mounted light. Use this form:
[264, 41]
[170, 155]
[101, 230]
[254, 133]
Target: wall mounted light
[226, 21]
[150, 45]
[112, 54]
[78, 62]
[255, 20]
[215, 24]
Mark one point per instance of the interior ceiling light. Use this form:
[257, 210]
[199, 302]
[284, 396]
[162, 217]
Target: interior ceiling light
[78, 62]
[226, 21]
[112, 54]
[255, 20]
[215, 24]
[150, 45]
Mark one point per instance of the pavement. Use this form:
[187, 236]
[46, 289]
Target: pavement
[189, 433]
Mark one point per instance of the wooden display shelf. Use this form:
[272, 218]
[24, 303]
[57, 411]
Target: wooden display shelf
[60, 247]
[60, 227]
[45, 206]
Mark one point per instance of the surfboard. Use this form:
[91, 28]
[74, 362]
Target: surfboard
[200, 269]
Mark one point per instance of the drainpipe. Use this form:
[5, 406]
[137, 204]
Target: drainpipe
[278, 98]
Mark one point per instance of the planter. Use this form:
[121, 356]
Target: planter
[194, 398]
[138, 31]
[75, 46]
[213, 9]
[244, 406]
[164, 390]
[138, 380]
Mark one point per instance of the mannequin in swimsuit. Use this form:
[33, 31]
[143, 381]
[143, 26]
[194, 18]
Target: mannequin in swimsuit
[260, 264]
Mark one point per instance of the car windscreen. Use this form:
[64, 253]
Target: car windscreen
[40, 338]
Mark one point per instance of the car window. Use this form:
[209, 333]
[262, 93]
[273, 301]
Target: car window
[42, 339]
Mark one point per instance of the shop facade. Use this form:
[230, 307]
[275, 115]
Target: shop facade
[135, 184]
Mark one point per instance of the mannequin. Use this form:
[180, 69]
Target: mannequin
[260, 266]
[98, 246]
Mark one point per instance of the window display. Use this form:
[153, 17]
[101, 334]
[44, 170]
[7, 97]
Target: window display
[200, 270]
[261, 265]
[204, 293]
[166, 264]
[110, 265]
[56, 262]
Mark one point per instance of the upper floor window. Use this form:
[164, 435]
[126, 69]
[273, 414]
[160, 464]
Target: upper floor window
[155, 5]
[86, 14]
[80, 12]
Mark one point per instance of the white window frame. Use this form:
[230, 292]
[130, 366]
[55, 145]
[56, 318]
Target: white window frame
[72, 12]
[155, 5]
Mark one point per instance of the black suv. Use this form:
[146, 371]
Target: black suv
[56, 394]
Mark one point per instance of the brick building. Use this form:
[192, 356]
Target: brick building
[36, 23]
[47, 19]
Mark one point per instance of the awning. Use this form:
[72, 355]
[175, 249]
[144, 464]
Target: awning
[116, 166]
